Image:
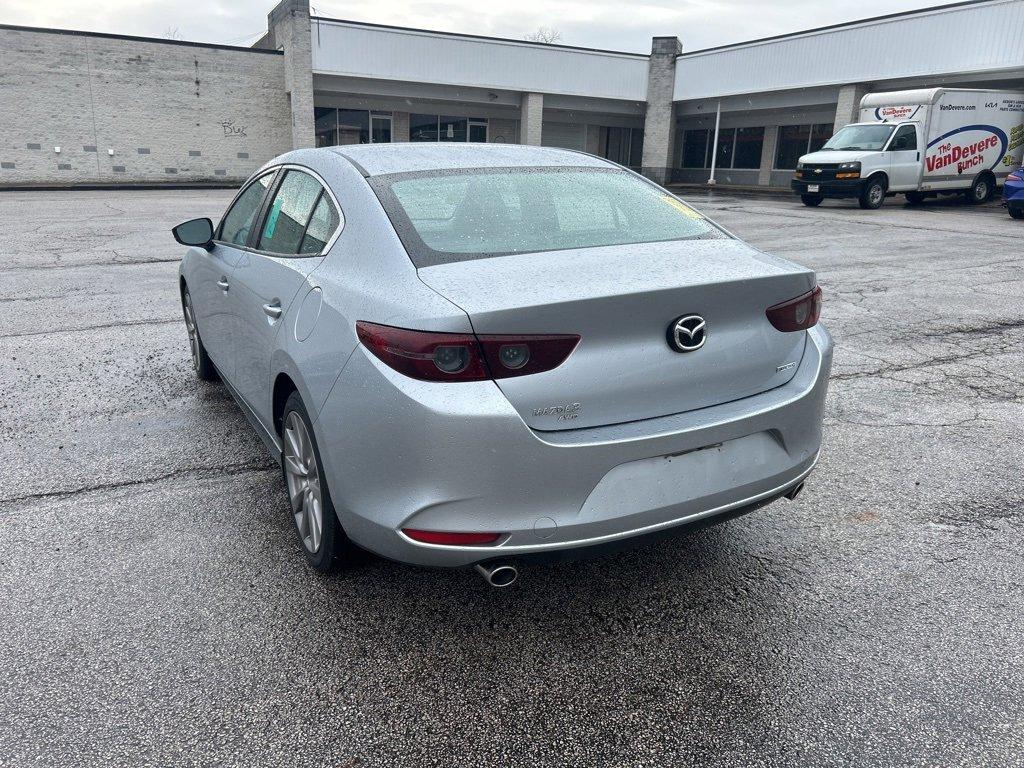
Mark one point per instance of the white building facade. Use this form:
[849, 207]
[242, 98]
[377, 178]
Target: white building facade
[214, 113]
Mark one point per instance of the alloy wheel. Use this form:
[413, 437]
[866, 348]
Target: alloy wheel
[303, 477]
[875, 194]
[193, 334]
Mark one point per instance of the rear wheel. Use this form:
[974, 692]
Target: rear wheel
[873, 194]
[316, 522]
[1016, 213]
[981, 190]
[201, 362]
[811, 201]
[915, 198]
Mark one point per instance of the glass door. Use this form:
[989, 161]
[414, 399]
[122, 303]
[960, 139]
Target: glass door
[478, 131]
[380, 129]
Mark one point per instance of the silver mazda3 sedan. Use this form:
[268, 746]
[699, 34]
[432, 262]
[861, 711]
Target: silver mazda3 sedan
[487, 354]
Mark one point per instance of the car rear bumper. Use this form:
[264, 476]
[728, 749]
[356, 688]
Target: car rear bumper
[836, 188]
[399, 453]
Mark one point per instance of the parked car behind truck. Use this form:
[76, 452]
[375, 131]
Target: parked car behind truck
[920, 143]
[1013, 194]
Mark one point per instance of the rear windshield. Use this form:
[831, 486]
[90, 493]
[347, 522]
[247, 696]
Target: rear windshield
[455, 215]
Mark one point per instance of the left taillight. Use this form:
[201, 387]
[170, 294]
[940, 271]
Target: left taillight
[431, 356]
[797, 314]
[1015, 177]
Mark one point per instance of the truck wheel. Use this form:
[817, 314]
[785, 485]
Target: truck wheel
[1016, 213]
[981, 190]
[873, 194]
[811, 201]
[915, 198]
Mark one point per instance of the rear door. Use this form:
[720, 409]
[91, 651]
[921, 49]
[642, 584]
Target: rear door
[210, 284]
[905, 158]
[300, 220]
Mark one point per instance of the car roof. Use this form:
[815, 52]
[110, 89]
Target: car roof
[379, 159]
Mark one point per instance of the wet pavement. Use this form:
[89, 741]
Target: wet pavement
[156, 610]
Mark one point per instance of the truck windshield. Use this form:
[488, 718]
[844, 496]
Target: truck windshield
[860, 137]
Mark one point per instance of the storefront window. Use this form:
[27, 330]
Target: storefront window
[326, 126]
[452, 128]
[749, 142]
[798, 140]
[447, 128]
[793, 141]
[422, 127]
[695, 148]
[353, 126]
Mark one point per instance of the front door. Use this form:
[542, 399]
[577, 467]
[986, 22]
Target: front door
[905, 159]
[298, 224]
[211, 285]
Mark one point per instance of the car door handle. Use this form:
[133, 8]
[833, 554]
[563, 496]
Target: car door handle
[223, 284]
[273, 310]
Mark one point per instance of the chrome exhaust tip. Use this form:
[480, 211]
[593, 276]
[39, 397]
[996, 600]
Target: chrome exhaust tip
[794, 491]
[498, 576]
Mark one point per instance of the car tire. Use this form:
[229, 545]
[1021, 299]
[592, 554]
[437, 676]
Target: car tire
[873, 194]
[1016, 213]
[915, 198]
[201, 362]
[309, 499]
[981, 190]
[812, 201]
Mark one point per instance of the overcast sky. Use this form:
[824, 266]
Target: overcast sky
[615, 24]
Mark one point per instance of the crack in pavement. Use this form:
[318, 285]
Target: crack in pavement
[199, 473]
[125, 324]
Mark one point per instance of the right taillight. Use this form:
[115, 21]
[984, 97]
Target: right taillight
[431, 356]
[797, 314]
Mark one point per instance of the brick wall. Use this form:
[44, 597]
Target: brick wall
[171, 112]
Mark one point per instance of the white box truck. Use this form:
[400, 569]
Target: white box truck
[920, 143]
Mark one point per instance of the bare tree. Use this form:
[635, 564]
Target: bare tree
[544, 35]
[172, 33]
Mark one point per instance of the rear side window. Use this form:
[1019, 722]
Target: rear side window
[322, 224]
[289, 215]
[238, 221]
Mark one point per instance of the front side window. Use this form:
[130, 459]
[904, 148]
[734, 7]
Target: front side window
[905, 139]
[284, 226]
[455, 215]
[238, 221]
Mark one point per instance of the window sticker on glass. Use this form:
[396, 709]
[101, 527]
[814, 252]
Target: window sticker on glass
[682, 207]
[272, 217]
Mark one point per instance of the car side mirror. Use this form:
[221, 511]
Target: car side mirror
[197, 232]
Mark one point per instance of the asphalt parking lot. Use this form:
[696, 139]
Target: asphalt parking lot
[156, 610]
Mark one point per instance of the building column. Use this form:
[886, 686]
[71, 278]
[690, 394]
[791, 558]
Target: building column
[768, 147]
[848, 106]
[399, 126]
[593, 140]
[660, 120]
[288, 28]
[531, 118]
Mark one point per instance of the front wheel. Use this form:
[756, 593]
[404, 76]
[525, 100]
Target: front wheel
[981, 191]
[811, 201]
[1016, 213]
[316, 522]
[872, 195]
[201, 362]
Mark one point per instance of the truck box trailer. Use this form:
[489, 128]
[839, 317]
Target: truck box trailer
[919, 143]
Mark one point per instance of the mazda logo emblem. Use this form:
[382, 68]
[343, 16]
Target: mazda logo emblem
[687, 333]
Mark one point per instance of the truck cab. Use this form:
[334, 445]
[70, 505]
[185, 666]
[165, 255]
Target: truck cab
[867, 161]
